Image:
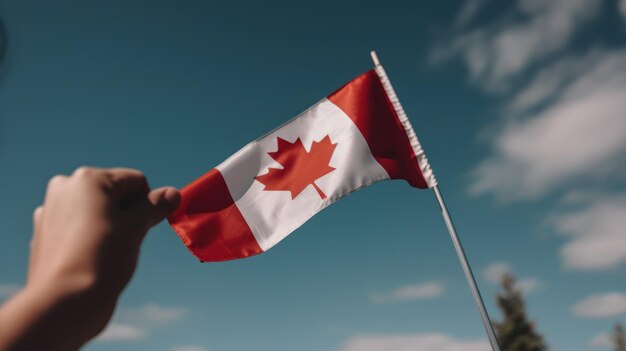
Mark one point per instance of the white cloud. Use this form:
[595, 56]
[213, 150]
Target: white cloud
[7, 290]
[601, 305]
[152, 313]
[529, 285]
[548, 81]
[495, 271]
[503, 50]
[121, 332]
[468, 12]
[597, 235]
[412, 342]
[581, 136]
[578, 197]
[601, 341]
[565, 128]
[133, 323]
[188, 348]
[410, 292]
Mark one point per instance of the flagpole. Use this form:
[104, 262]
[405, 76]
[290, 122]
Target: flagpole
[467, 270]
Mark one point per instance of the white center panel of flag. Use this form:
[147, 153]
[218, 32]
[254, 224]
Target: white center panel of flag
[273, 214]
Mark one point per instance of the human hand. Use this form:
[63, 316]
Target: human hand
[84, 251]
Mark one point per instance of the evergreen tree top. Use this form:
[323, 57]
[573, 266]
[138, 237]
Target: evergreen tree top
[515, 331]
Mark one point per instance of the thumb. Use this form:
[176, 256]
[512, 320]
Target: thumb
[161, 202]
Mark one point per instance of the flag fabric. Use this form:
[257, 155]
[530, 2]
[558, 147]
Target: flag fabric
[356, 136]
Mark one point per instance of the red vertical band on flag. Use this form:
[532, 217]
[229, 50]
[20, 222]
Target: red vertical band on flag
[365, 101]
[209, 222]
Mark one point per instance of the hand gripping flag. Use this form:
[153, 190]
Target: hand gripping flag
[356, 136]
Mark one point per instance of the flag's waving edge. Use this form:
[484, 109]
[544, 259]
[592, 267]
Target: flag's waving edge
[427, 172]
[371, 103]
[356, 136]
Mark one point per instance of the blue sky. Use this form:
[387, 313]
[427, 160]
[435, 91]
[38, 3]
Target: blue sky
[519, 105]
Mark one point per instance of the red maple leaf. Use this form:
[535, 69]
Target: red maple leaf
[300, 168]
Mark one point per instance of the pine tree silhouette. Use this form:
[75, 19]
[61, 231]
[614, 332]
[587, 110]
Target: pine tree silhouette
[515, 332]
[618, 337]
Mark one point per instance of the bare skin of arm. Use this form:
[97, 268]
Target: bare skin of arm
[84, 251]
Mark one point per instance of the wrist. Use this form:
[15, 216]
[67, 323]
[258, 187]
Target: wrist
[74, 301]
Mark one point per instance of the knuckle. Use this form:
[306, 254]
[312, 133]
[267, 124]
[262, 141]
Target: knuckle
[127, 173]
[56, 181]
[142, 177]
[83, 171]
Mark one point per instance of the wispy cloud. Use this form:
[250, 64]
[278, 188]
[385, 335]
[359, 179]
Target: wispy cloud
[529, 285]
[495, 271]
[581, 136]
[422, 291]
[549, 81]
[568, 123]
[603, 340]
[499, 51]
[596, 236]
[121, 332]
[412, 342]
[468, 12]
[601, 305]
[188, 348]
[622, 7]
[564, 128]
[134, 323]
[152, 313]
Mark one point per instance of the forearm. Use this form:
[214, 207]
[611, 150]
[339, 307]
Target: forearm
[51, 317]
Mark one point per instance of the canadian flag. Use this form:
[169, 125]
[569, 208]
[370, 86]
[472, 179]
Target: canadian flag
[356, 136]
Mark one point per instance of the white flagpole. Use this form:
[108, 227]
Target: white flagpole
[468, 271]
[459, 249]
